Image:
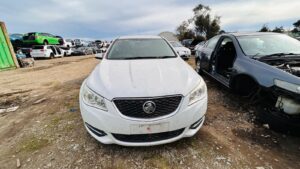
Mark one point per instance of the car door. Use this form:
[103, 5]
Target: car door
[207, 52]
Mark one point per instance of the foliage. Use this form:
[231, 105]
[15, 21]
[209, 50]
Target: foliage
[278, 29]
[204, 24]
[265, 28]
[183, 32]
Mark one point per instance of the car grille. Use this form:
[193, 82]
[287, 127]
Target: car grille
[134, 107]
[140, 138]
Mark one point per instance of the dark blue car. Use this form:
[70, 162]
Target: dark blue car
[262, 66]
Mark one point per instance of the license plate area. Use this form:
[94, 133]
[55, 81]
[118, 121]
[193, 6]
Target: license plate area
[149, 128]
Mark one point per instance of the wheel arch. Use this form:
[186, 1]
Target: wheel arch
[242, 79]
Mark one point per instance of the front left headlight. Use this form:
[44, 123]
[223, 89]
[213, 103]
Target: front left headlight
[198, 93]
[92, 99]
[287, 86]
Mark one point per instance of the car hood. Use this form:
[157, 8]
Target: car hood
[142, 78]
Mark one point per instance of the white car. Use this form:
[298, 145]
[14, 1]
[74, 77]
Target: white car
[183, 52]
[142, 94]
[67, 51]
[68, 43]
[46, 51]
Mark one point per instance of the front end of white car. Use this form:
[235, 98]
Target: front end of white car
[124, 121]
[143, 99]
[184, 53]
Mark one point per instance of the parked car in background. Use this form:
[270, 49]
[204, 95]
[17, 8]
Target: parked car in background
[190, 43]
[60, 40]
[82, 51]
[26, 51]
[94, 46]
[142, 94]
[67, 51]
[69, 43]
[262, 66]
[182, 51]
[16, 40]
[36, 38]
[186, 42]
[80, 43]
[46, 51]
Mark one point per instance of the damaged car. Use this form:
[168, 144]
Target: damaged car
[262, 66]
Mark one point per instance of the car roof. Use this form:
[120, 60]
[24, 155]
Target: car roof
[140, 37]
[250, 33]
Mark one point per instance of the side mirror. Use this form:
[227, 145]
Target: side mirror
[99, 56]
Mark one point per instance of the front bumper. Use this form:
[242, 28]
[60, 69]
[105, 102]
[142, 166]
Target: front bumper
[113, 124]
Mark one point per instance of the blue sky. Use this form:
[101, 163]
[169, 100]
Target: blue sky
[107, 19]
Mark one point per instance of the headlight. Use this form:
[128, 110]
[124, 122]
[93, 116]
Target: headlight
[198, 93]
[92, 99]
[287, 86]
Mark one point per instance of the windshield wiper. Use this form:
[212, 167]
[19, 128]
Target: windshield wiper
[278, 55]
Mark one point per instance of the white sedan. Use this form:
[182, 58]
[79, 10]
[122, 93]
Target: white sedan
[142, 94]
[46, 51]
[183, 52]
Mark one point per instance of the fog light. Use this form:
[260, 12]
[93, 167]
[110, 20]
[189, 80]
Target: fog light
[197, 123]
[97, 132]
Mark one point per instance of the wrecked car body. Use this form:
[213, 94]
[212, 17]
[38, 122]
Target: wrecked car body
[262, 66]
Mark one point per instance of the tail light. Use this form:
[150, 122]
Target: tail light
[42, 50]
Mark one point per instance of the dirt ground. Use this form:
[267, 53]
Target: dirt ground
[46, 130]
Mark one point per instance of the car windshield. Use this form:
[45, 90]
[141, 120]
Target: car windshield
[261, 45]
[176, 44]
[140, 49]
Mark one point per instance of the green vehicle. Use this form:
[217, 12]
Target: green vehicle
[36, 38]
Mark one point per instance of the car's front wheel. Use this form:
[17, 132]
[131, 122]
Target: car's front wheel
[198, 66]
[51, 56]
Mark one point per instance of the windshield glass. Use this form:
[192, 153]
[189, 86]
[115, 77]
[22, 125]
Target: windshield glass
[261, 45]
[140, 49]
[176, 44]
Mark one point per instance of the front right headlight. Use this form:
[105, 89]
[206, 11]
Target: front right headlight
[287, 86]
[198, 93]
[92, 99]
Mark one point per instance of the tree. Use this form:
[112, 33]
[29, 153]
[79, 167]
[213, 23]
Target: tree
[205, 24]
[297, 27]
[278, 29]
[297, 24]
[265, 28]
[183, 32]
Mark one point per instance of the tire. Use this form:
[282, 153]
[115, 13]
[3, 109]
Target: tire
[45, 42]
[198, 67]
[51, 56]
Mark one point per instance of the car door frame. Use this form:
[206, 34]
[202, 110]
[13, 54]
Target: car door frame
[225, 81]
[206, 54]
